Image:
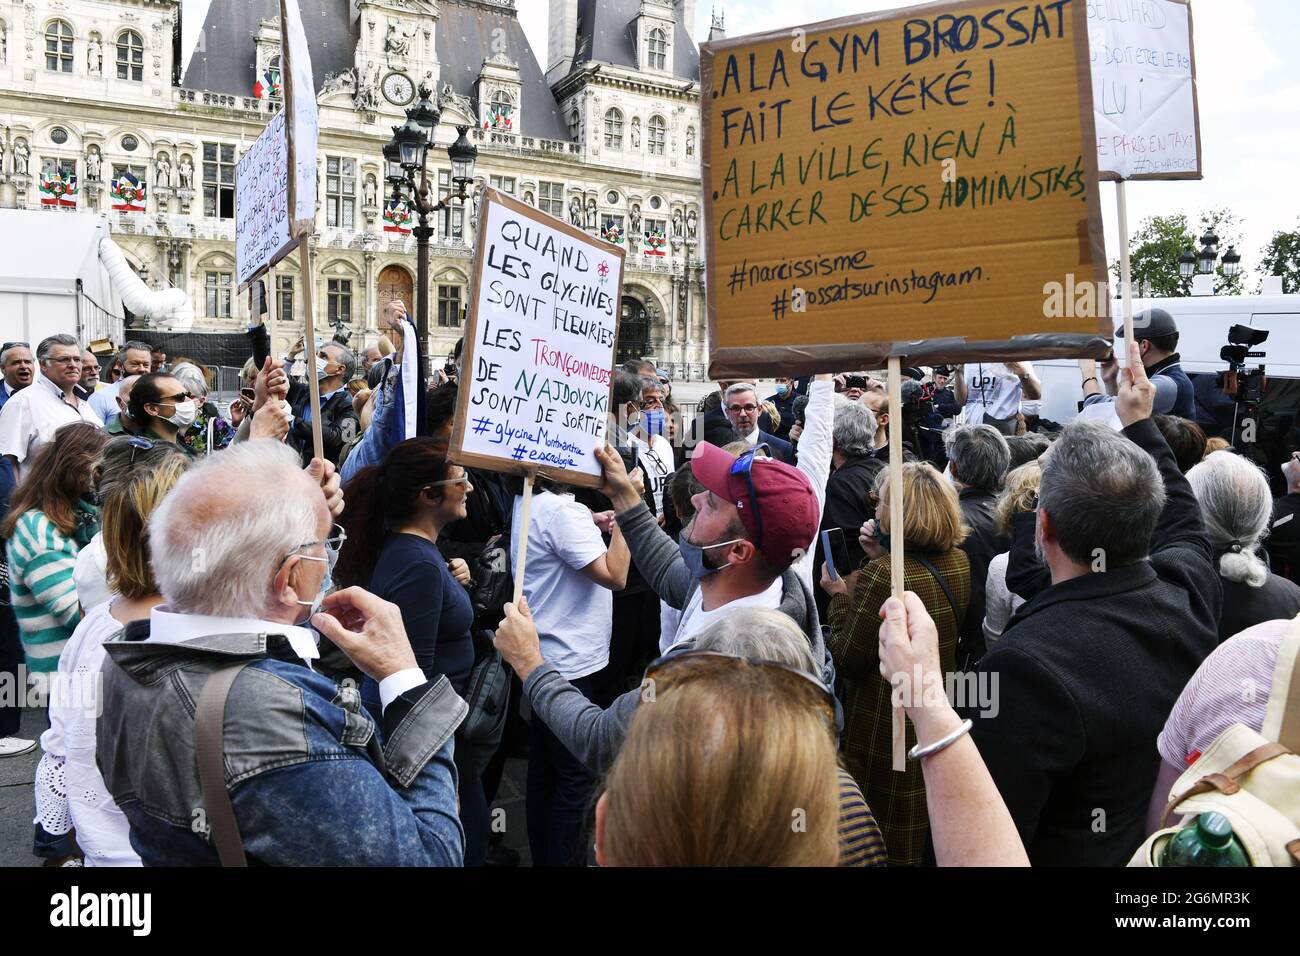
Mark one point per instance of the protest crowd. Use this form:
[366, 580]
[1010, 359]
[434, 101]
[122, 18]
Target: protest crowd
[246, 653]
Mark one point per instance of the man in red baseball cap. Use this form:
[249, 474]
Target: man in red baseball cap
[755, 517]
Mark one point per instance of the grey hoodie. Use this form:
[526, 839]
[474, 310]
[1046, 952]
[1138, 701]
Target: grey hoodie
[594, 735]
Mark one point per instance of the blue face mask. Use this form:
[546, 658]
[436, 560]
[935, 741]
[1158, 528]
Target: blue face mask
[882, 537]
[652, 420]
[693, 555]
[783, 390]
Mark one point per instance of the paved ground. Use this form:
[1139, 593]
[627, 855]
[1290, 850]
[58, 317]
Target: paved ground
[18, 806]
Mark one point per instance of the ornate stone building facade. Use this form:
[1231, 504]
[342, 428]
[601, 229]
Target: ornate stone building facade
[102, 110]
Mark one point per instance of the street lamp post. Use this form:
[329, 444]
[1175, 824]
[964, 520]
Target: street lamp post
[405, 158]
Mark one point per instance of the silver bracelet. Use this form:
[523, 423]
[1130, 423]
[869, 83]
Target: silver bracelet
[929, 750]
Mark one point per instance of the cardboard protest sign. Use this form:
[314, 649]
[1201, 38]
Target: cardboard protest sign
[1144, 90]
[262, 203]
[539, 345]
[902, 183]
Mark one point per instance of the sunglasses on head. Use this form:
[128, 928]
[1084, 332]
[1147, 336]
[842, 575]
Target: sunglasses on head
[744, 465]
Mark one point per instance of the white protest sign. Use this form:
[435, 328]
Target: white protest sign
[539, 345]
[262, 203]
[1144, 89]
[305, 120]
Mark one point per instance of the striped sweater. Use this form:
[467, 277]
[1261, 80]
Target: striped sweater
[41, 561]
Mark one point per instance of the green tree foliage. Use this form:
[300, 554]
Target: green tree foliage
[1282, 258]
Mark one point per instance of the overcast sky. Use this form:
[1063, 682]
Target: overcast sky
[1249, 105]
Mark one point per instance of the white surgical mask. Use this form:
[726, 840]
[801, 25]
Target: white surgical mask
[183, 414]
[321, 366]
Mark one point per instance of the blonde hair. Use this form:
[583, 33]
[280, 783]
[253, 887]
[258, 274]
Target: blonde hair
[1215, 444]
[1019, 493]
[733, 766]
[127, 504]
[932, 514]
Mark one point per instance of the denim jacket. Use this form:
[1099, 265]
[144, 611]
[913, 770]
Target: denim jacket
[316, 775]
[377, 440]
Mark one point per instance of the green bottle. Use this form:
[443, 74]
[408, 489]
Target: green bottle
[1206, 841]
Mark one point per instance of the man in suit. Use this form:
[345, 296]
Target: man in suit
[1090, 667]
[740, 403]
[335, 366]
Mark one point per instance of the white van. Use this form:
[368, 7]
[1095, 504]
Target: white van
[1203, 323]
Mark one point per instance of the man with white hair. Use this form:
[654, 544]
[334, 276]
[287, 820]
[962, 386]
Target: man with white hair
[30, 418]
[286, 766]
[740, 403]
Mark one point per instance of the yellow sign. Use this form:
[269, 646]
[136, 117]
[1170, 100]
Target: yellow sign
[917, 183]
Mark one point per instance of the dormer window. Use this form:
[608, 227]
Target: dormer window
[657, 50]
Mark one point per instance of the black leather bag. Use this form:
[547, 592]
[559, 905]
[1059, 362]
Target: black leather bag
[492, 586]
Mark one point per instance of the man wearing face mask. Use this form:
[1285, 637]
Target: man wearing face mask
[335, 367]
[120, 422]
[304, 756]
[783, 399]
[160, 407]
[754, 519]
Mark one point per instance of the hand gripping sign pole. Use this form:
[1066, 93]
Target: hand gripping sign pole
[896, 570]
[301, 229]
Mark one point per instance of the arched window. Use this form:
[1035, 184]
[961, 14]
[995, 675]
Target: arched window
[501, 113]
[613, 129]
[658, 135]
[130, 56]
[658, 50]
[58, 46]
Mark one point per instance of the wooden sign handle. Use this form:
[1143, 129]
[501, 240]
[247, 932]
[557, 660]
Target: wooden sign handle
[896, 569]
[1125, 268]
[521, 553]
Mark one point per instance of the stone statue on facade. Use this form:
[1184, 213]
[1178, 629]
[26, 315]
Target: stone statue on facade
[92, 165]
[95, 56]
[692, 225]
[591, 214]
[634, 220]
[185, 172]
[575, 212]
[163, 172]
[369, 192]
[677, 224]
[21, 155]
[397, 42]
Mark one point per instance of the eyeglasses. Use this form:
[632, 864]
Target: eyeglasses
[684, 667]
[744, 465]
[333, 544]
[747, 409]
[462, 480]
[138, 444]
[70, 360]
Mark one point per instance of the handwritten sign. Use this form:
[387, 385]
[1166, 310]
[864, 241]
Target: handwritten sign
[1144, 89]
[262, 203]
[900, 183]
[539, 345]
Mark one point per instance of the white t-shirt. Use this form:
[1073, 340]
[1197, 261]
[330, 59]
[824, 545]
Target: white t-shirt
[656, 460]
[992, 390]
[90, 574]
[695, 619]
[102, 829]
[573, 614]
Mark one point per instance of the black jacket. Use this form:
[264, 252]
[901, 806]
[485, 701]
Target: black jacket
[1245, 606]
[985, 542]
[848, 502]
[785, 407]
[338, 423]
[1087, 673]
[1283, 541]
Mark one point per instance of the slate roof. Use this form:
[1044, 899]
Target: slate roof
[607, 34]
[464, 38]
[225, 56]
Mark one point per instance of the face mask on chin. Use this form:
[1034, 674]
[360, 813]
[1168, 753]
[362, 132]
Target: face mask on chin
[693, 554]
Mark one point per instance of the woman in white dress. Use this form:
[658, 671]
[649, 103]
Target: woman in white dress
[134, 475]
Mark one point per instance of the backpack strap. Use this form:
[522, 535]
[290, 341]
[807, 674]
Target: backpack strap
[943, 584]
[209, 744]
[1282, 717]
[1226, 781]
